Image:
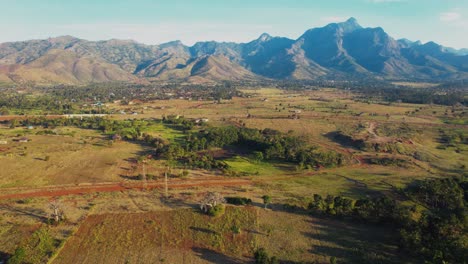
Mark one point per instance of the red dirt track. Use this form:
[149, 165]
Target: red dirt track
[118, 187]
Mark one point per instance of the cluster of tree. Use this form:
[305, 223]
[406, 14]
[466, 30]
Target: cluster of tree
[108, 92]
[127, 129]
[179, 122]
[14, 103]
[159, 145]
[438, 235]
[453, 137]
[449, 93]
[191, 158]
[213, 204]
[238, 200]
[64, 99]
[204, 161]
[275, 145]
[424, 96]
[375, 210]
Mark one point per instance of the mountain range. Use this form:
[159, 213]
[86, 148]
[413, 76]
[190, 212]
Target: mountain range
[339, 49]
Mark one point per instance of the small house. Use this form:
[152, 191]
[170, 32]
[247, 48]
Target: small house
[30, 127]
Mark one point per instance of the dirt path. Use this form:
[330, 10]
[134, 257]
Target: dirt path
[118, 187]
[371, 129]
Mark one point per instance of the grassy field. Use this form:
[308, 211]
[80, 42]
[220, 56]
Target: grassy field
[84, 156]
[179, 236]
[142, 226]
[77, 156]
[186, 236]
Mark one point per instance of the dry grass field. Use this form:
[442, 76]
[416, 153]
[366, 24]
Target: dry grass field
[80, 156]
[140, 225]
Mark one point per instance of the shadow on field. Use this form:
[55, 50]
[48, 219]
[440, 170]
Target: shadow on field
[215, 257]
[204, 230]
[4, 257]
[355, 243]
[32, 212]
[177, 203]
[126, 177]
[342, 140]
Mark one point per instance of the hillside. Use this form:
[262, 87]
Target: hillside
[337, 49]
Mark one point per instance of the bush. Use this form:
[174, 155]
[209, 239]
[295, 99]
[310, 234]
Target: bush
[18, 257]
[238, 200]
[217, 210]
[261, 257]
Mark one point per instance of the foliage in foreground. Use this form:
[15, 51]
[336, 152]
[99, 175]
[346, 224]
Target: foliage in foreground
[38, 249]
[439, 235]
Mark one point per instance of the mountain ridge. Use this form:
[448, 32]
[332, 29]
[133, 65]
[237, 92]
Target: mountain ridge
[345, 49]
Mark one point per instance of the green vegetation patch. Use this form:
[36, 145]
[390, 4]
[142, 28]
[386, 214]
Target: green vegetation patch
[246, 166]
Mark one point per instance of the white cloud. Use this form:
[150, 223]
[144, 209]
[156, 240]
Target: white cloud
[454, 19]
[450, 16]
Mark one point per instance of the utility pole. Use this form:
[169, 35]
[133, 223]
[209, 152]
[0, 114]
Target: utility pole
[145, 184]
[165, 183]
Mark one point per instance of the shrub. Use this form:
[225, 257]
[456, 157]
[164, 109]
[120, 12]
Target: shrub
[261, 257]
[217, 210]
[238, 200]
[18, 257]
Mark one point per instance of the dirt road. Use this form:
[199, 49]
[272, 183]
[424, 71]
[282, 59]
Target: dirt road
[56, 191]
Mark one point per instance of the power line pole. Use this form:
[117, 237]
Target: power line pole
[145, 184]
[165, 183]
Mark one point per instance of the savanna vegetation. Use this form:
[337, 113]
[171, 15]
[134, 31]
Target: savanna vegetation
[297, 172]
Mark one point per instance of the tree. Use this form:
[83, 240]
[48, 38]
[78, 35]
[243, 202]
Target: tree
[258, 156]
[211, 200]
[14, 123]
[235, 230]
[57, 211]
[261, 257]
[266, 200]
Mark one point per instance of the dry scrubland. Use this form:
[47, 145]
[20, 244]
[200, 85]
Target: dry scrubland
[133, 226]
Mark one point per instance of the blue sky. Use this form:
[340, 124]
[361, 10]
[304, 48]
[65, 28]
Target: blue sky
[157, 21]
